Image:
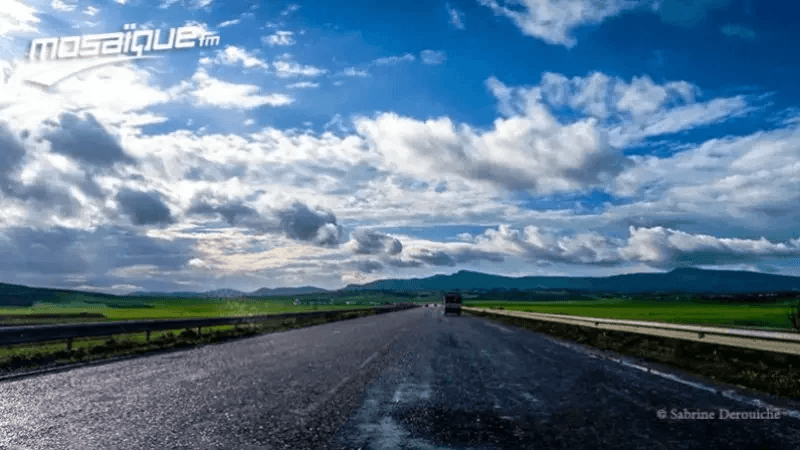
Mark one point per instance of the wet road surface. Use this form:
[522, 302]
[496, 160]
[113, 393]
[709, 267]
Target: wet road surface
[405, 380]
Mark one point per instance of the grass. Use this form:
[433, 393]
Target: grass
[55, 353]
[159, 309]
[728, 315]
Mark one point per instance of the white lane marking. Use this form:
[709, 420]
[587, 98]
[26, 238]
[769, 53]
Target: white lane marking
[316, 404]
[729, 394]
[368, 360]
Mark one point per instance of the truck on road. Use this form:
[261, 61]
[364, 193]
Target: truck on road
[452, 303]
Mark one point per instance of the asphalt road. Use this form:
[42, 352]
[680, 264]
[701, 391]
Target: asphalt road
[411, 379]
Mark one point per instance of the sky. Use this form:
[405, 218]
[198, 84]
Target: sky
[334, 142]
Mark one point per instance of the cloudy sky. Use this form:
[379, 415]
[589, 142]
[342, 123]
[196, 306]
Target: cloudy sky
[334, 142]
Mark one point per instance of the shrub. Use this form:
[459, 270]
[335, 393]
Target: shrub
[794, 316]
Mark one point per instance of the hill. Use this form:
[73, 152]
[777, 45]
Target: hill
[682, 280]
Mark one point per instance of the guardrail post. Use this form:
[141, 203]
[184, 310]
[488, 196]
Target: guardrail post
[69, 345]
[147, 334]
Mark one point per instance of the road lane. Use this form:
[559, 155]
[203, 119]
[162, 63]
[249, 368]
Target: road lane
[464, 382]
[411, 379]
[236, 394]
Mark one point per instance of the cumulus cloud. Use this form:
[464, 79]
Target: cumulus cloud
[554, 22]
[662, 247]
[657, 247]
[354, 72]
[289, 69]
[279, 38]
[313, 225]
[456, 17]
[233, 213]
[532, 149]
[10, 157]
[370, 242]
[205, 90]
[532, 152]
[144, 208]
[629, 111]
[391, 60]
[103, 257]
[62, 6]
[17, 17]
[233, 56]
[433, 57]
[454, 256]
[82, 137]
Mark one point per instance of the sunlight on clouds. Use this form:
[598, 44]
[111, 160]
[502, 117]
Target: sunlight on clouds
[17, 17]
[206, 90]
[553, 22]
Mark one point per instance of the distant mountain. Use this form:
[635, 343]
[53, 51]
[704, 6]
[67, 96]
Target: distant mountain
[265, 292]
[688, 280]
[233, 293]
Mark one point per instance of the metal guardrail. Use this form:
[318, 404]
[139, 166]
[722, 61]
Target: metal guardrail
[773, 341]
[27, 334]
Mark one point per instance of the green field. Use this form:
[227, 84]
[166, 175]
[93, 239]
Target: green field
[71, 311]
[773, 315]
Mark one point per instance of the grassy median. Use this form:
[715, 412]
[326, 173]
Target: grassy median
[768, 315]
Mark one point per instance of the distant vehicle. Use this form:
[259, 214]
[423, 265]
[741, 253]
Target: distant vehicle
[452, 303]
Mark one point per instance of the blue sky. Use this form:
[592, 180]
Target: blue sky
[329, 143]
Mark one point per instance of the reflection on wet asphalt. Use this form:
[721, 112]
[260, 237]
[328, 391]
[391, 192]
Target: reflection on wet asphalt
[408, 380]
[463, 382]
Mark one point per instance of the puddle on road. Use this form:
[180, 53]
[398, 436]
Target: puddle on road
[408, 392]
[388, 435]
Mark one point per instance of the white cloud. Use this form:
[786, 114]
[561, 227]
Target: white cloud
[740, 31]
[232, 56]
[303, 85]
[391, 60]
[208, 91]
[121, 2]
[228, 23]
[456, 17]
[17, 17]
[280, 38]
[354, 72]
[288, 69]
[290, 9]
[91, 11]
[62, 6]
[432, 56]
[657, 247]
[553, 22]
[630, 111]
[190, 4]
[685, 208]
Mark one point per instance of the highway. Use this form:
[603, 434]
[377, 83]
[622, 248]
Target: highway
[410, 379]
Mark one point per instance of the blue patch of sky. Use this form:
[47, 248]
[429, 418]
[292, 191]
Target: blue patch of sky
[593, 201]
